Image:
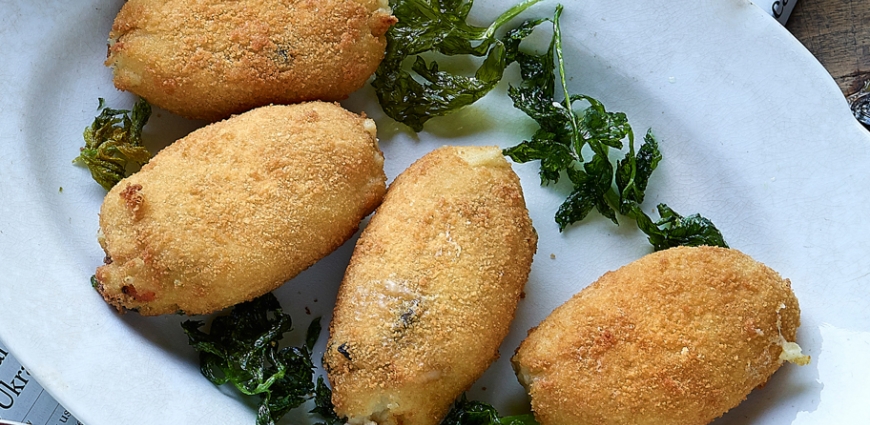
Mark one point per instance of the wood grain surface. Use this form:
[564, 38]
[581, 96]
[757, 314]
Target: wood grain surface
[837, 32]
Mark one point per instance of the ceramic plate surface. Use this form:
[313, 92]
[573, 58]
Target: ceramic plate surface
[755, 136]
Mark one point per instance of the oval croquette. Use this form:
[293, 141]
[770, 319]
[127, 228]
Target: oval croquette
[237, 208]
[431, 289]
[210, 59]
[678, 337]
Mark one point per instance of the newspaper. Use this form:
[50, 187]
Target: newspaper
[22, 399]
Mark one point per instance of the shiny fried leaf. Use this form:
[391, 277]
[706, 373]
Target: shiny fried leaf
[242, 349]
[575, 137]
[323, 405]
[633, 172]
[469, 412]
[672, 230]
[438, 26]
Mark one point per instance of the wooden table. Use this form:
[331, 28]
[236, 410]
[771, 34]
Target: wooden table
[837, 32]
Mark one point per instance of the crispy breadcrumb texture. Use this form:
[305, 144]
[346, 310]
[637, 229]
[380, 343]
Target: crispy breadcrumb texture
[431, 289]
[678, 337]
[237, 208]
[210, 59]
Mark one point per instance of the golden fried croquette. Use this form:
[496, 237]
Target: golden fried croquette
[210, 59]
[678, 337]
[235, 209]
[431, 289]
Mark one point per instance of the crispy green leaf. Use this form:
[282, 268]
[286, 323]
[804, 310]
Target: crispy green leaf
[291, 390]
[575, 208]
[437, 26]
[672, 230]
[554, 157]
[466, 412]
[242, 348]
[312, 334]
[633, 172]
[113, 143]
[574, 123]
[323, 405]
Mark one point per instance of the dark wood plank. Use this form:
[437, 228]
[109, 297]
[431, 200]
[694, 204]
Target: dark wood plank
[837, 32]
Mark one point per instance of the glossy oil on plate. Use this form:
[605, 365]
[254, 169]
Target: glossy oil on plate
[755, 136]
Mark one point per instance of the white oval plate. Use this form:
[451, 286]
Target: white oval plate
[755, 135]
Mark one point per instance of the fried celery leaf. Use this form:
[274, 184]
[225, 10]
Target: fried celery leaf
[466, 412]
[113, 143]
[575, 137]
[242, 349]
[437, 26]
[675, 230]
[323, 405]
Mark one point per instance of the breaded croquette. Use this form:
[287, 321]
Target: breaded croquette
[235, 209]
[678, 337]
[210, 59]
[431, 289]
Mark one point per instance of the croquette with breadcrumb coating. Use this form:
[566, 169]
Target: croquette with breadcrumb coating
[208, 59]
[431, 289]
[235, 209]
[678, 337]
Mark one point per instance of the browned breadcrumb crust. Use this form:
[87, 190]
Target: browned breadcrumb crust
[235, 209]
[431, 289]
[678, 337]
[210, 59]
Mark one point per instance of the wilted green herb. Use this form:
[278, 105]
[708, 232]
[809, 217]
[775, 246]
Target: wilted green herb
[465, 412]
[114, 142]
[242, 349]
[578, 142]
[675, 230]
[437, 26]
[323, 405]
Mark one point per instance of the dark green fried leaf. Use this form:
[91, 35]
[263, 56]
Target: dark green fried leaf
[575, 208]
[566, 129]
[672, 230]
[648, 158]
[295, 387]
[438, 26]
[312, 334]
[323, 405]
[553, 156]
[242, 348]
[634, 171]
[466, 412]
[113, 143]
